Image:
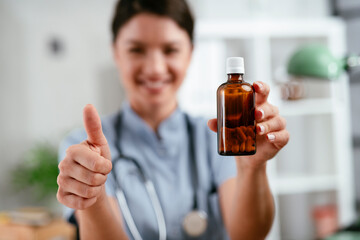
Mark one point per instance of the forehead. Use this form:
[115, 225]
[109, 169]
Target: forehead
[150, 28]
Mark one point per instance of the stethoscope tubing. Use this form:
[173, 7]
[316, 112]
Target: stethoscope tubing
[150, 188]
[156, 206]
[127, 215]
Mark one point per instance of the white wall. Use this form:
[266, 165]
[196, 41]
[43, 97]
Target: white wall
[13, 97]
[42, 94]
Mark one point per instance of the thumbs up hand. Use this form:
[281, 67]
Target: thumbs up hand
[84, 169]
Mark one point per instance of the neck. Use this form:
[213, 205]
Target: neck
[235, 77]
[154, 115]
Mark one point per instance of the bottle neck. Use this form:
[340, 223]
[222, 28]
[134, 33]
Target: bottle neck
[235, 77]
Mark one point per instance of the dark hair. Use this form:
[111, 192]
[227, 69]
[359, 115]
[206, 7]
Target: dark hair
[177, 10]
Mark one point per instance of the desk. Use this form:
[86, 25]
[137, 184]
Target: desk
[58, 229]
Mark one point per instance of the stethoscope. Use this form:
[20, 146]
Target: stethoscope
[194, 223]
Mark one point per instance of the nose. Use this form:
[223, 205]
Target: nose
[155, 64]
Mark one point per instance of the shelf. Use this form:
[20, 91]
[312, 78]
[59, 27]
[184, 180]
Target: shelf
[304, 184]
[306, 107]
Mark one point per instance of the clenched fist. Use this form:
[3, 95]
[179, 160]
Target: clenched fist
[84, 169]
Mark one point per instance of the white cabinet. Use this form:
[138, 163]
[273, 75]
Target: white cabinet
[316, 166]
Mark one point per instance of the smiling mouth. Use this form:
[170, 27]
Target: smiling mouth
[155, 87]
[155, 84]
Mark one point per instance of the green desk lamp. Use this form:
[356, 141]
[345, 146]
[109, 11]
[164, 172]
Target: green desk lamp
[316, 60]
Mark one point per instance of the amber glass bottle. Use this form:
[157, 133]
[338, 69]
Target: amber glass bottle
[235, 112]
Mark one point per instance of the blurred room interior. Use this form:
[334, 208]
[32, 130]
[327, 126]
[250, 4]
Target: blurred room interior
[55, 57]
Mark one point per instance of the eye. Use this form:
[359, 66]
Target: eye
[136, 50]
[171, 50]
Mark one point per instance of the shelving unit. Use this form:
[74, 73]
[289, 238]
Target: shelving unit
[304, 184]
[316, 166]
[306, 107]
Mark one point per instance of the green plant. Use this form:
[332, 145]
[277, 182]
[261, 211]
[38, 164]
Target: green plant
[38, 171]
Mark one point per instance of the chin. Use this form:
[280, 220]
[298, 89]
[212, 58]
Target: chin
[158, 101]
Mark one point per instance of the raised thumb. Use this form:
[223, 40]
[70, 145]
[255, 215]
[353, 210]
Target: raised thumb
[94, 131]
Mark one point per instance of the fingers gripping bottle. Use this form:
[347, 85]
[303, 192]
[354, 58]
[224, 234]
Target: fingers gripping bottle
[236, 112]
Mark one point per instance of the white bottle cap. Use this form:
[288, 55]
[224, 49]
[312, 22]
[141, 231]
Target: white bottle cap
[235, 65]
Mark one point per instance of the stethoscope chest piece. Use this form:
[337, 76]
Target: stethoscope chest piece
[195, 223]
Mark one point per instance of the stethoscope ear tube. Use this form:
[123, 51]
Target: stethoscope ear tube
[127, 215]
[157, 208]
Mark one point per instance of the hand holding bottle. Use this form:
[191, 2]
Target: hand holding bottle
[270, 128]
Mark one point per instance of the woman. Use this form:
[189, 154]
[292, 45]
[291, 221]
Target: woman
[152, 46]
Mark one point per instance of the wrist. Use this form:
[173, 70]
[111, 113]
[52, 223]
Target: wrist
[100, 204]
[244, 168]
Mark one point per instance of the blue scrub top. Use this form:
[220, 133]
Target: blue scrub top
[164, 157]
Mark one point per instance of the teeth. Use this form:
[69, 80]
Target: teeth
[154, 84]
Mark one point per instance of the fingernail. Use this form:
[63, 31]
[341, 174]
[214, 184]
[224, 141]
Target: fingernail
[259, 114]
[260, 85]
[262, 113]
[262, 129]
[271, 137]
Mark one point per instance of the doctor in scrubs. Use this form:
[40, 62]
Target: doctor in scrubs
[177, 153]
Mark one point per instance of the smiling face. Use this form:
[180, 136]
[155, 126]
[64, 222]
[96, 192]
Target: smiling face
[152, 54]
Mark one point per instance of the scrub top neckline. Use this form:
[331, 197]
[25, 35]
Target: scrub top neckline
[168, 130]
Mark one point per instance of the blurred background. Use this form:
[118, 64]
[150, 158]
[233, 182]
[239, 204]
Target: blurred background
[55, 57]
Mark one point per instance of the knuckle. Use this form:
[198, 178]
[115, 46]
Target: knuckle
[95, 165]
[74, 150]
[97, 179]
[107, 165]
[276, 122]
[110, 166]
[70, 151]
[59, 196]
[281, 122]
[84, 191]
[284, 122]
[93, 180]
[102, 165]
[266, 87]
[276, 110]
[60, 180]
[89, 192]
[63, 166]
[287, 136]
